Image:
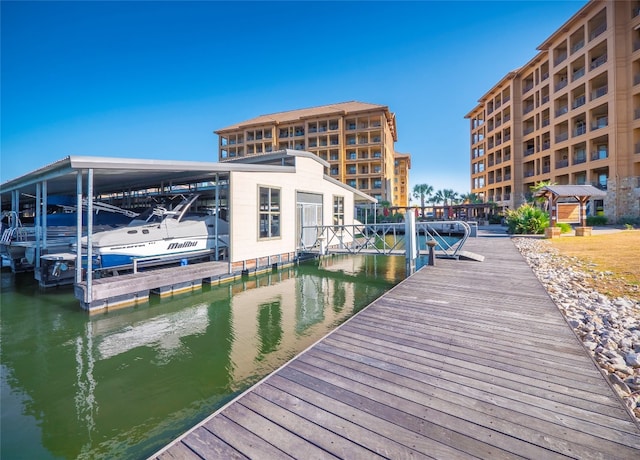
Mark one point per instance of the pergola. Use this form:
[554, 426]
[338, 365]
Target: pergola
[568, 211]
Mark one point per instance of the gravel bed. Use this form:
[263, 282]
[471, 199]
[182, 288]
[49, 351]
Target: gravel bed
[609, 327]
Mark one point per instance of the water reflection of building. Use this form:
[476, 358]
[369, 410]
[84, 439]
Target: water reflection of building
[281, 316]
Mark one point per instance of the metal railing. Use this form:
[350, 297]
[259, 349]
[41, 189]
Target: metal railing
[382, 239]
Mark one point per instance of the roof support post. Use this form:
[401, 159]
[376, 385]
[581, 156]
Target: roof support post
[79, 227]
[217, 215]
[38, 227]
[89, 235]
[45, 205]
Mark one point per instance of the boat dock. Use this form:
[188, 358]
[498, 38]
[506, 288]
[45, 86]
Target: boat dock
[460, 360]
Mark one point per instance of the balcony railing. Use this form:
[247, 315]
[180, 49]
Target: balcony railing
[561, 84]
[528, 130]
[562, 164]
[599, 155]
[579, 159]
[598, 30]
[529, 173]
[636, 114]
[529, 151]
[562, 137]
[527, 108]
[577, 74]
[598, 61]
[600, 123]
[546, 169]
[576, 46]
[527, 87]
[579, 101]
[579, 130]
[599, 92]
[560, 57]
[562, 110]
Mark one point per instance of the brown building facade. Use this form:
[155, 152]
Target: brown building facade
[356, 139]
[571, 115]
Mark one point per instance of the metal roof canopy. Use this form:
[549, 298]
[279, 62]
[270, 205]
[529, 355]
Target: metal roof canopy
[582, 193]
[112, 174]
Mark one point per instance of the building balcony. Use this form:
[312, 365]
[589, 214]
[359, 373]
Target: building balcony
[600, 123]
[599, 155]
[562, 164]
[562, 137]
[597, 62]
[599, 92]
[579, 101]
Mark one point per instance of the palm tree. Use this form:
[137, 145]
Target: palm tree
[471, 198]
[449, 196]
[536, 188]
[422, 192]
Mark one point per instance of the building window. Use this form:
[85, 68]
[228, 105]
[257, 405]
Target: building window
[269, 212]
[338, 210]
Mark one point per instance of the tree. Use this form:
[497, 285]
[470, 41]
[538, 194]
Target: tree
[422, 192]
[470, 198]
[536, 188]
[449, 196]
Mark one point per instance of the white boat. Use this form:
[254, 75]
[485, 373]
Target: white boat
[163, 233]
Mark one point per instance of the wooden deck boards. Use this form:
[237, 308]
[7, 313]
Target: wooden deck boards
[462, 360]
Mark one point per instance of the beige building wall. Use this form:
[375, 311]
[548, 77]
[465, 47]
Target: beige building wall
[356, 139]
[243, 193]
[570, 116]
[400, 186]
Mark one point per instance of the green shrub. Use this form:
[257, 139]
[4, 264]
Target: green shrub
[629, 220]
[527, 219]
[596, 220]
[564, 228]
[495, 219]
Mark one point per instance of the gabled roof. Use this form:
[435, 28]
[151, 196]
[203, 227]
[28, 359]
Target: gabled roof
[339, 109]
[570, 190]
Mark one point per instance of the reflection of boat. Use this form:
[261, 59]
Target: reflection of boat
[163, 233]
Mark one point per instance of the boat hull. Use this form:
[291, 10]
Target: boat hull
[114, 256]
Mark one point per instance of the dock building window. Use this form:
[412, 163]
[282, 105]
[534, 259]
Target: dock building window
[269, 212]
[338, 210]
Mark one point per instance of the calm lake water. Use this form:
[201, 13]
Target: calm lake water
[125, 383]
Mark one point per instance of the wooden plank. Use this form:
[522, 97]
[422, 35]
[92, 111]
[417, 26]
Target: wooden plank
[254, 421]
[242, 440]
[355, 422]
[318, 427]
[205, 444]
[477, 405]
[178, 451]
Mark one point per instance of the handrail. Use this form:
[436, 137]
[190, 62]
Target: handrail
[357, 238]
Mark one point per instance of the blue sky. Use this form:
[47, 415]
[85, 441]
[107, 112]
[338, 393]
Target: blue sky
[154, 79]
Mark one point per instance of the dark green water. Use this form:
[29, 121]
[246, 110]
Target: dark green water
[125, 383]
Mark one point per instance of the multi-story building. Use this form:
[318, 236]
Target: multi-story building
[401, 190]
[355, 138]
[571, 115]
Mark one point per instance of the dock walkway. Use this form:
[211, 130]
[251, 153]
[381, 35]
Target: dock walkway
[462, 360]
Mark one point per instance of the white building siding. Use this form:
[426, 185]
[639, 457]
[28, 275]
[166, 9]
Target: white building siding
[309, 177]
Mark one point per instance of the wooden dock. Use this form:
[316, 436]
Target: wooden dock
[124, 290]
[460, 360]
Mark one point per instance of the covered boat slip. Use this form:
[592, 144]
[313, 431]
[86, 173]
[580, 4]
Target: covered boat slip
[256, 197]
[457, 361]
